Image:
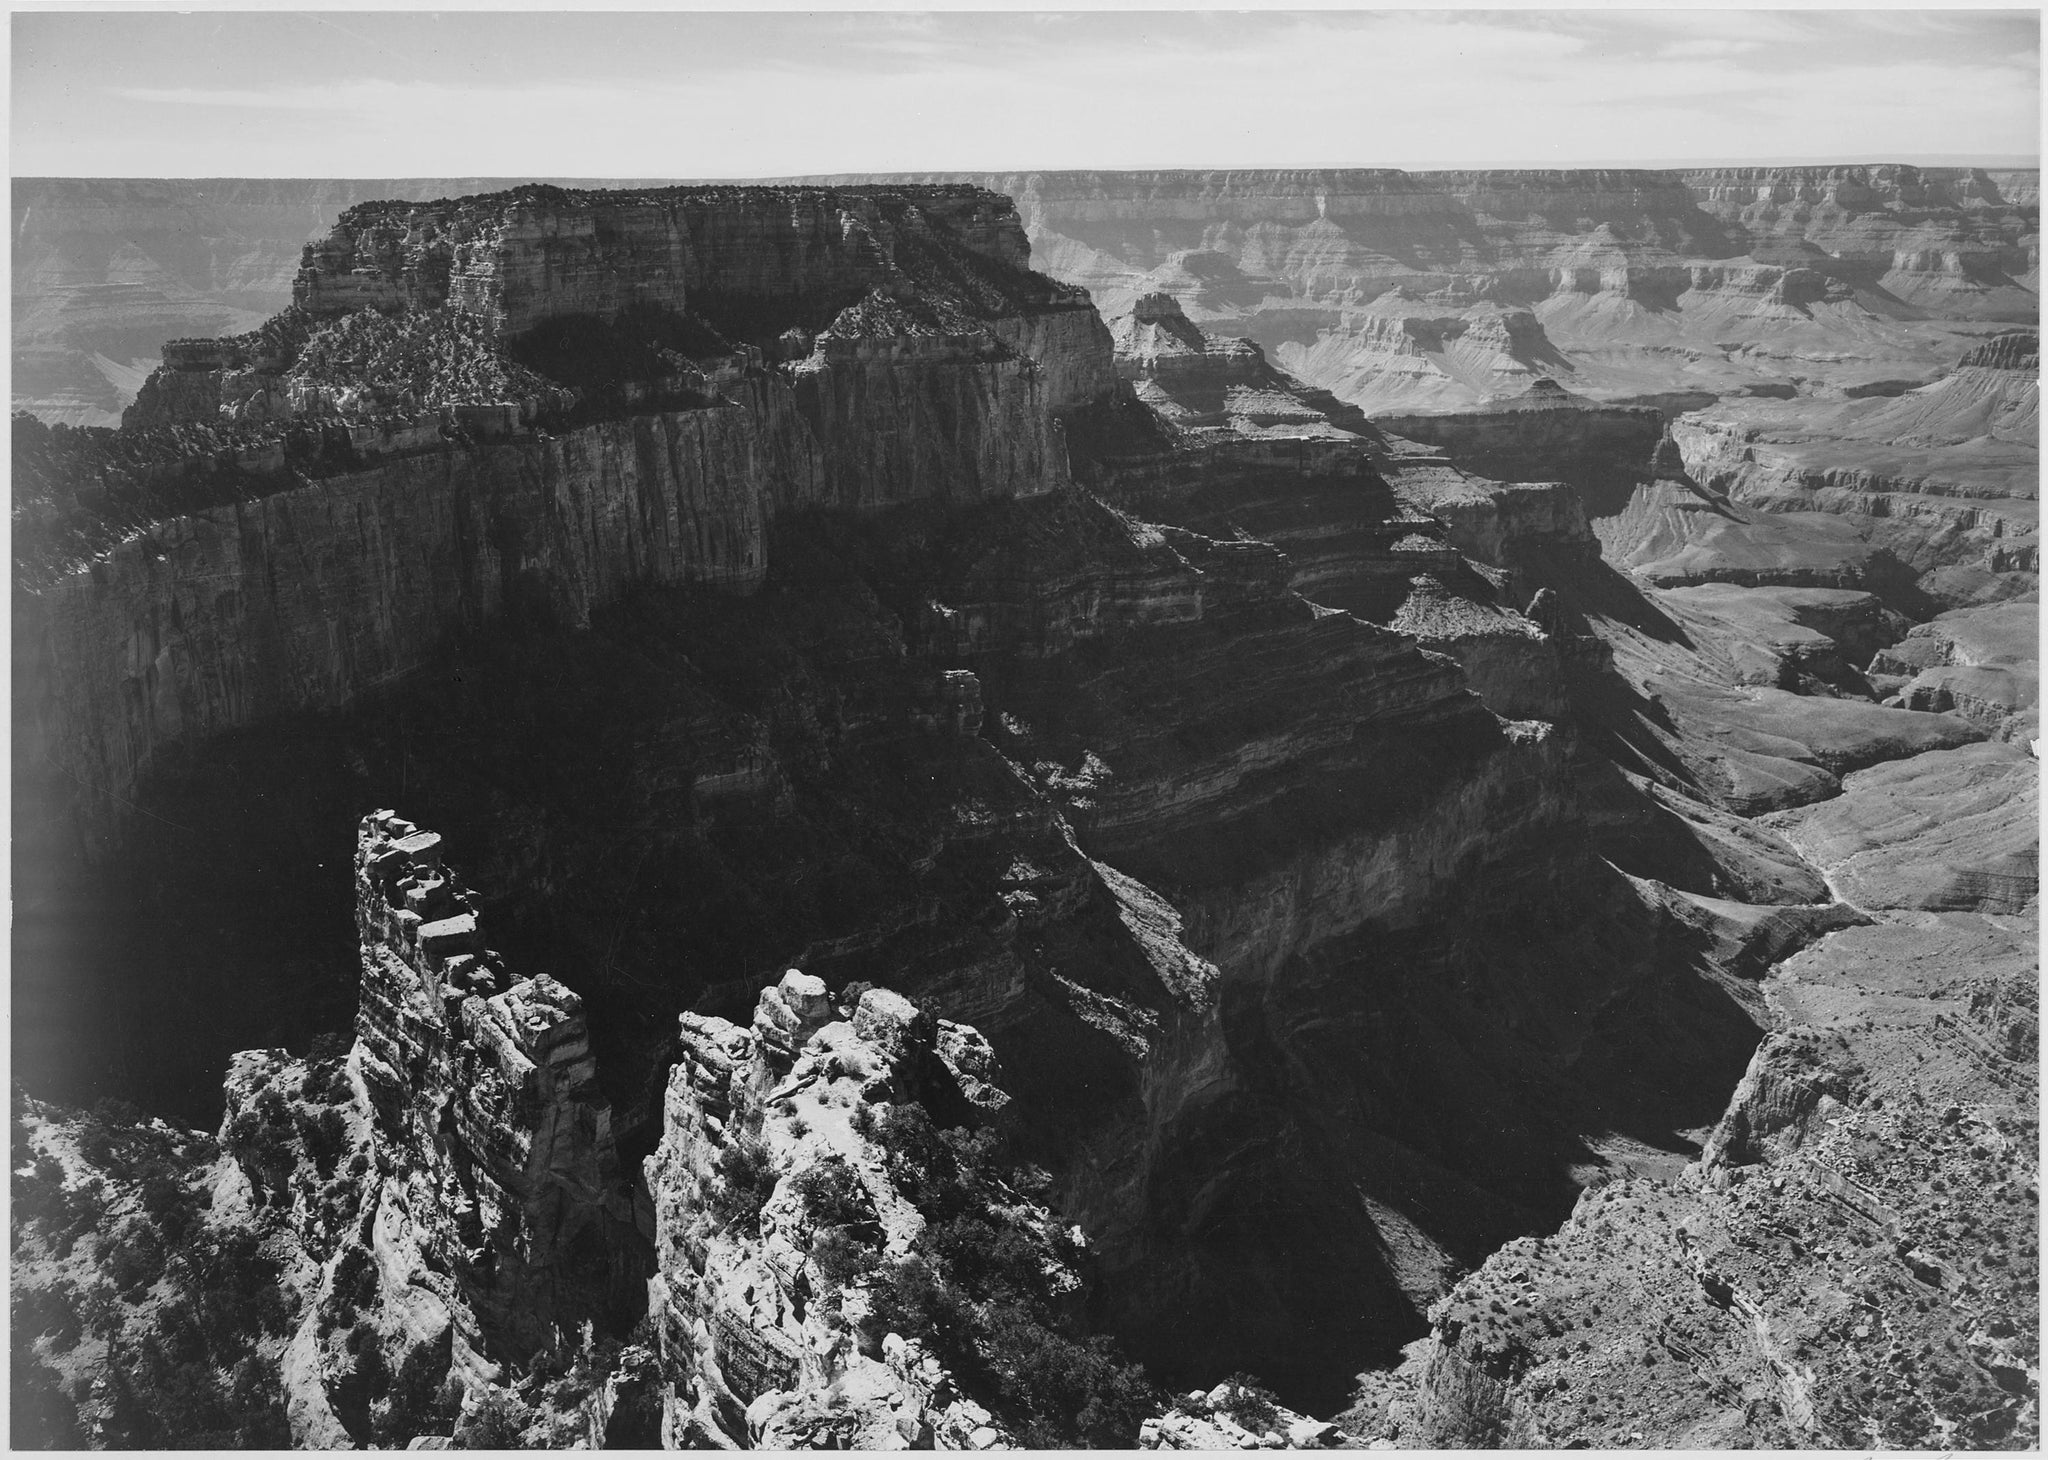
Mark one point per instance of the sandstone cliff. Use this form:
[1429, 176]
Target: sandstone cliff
[835, 1273]
[484, 1086]
[1342, 864]
[918, 384]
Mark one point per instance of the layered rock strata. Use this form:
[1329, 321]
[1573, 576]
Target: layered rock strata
[1547, 433]
[1372, 524]
[483, 1084]
[780, 1206]
[1314, 978]
[1435, 291]
[915, 382]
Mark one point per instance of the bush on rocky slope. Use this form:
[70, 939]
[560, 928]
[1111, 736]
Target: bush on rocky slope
[975, 1290]
[365, 363]
[141, 1316]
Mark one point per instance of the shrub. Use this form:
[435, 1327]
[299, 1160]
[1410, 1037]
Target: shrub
[100, 1311]
[255, 1396]
[355, 1281]
[136, 1261]
[921, 1161]
[1250, 1403]
[50, 1312]
[171, 1203]
[911, 1297]
[1068, 1392]
[40, 1415]
[235, 1287]
[988, 1262]
[324, 1134]
[832, 1194]
[165, 1398]
[839, 1256]
[974, 1290]
[747, 1180]
[495, 1424]
[39, 1194]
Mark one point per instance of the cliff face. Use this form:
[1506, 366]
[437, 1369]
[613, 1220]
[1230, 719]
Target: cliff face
[1334, 855]
[306, 599]
[1372, 524]
[1927, 495]
[800, 1190]
[1547, 433]
[1840, 1261]
[490, 1124]
[106, 270]
[537, 254]
[427, 526]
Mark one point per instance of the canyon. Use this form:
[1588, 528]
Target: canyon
[1131, 853]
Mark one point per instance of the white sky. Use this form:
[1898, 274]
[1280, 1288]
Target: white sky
[367, 93]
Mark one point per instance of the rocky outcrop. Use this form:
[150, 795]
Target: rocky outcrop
[1838, 1264]
[801, 1190]
[521, 259]
[1983, 663]
[1548, 433]
[1371, 524]
[1940, 479]
[1237, 1416]
[2013, 350]
[917, 385]
[108, 269]
[1196, 383]
[491, 1129]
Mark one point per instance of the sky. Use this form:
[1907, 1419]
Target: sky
[380, 93]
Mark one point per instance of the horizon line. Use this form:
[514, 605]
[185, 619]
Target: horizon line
[2006, 162]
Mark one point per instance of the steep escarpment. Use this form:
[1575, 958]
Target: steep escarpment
[487, 1088]
[844, 1260]
[1326, 846]
[1942, 477]
[107, 269]
[1372, 524]
[436, 513]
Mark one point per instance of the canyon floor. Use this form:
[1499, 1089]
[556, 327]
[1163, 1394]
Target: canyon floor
[1377, 811]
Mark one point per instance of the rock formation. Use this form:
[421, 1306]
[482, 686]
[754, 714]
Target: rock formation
[835, 1274]
[912, 388]
[1247, 865]
[484, 1085]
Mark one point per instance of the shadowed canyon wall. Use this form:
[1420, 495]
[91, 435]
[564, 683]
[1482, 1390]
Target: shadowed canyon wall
[1342, 864]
